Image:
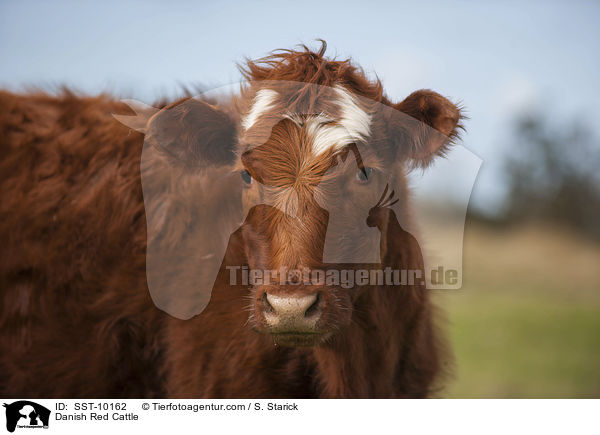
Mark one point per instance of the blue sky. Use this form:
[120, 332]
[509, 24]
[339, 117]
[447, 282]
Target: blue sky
[498, 58]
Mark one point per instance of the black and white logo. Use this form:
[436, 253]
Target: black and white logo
[26, 414]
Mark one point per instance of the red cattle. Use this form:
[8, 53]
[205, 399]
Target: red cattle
[76, 317]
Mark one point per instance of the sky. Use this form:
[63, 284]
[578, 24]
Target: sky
[498, 59]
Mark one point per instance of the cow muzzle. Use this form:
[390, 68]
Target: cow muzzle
[293, 319]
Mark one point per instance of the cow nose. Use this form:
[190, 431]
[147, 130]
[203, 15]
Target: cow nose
[291, 312]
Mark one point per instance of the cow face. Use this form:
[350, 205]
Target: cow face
[317, 159]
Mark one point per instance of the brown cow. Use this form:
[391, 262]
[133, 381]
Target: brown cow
[77, 319]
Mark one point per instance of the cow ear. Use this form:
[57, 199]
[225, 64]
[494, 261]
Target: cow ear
[193, 133]
[433, 123]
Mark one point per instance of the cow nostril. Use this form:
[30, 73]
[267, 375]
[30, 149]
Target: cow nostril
[267, 307]
[314, 308]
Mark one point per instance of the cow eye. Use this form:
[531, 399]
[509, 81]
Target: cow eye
[246, 177]
[363, 175]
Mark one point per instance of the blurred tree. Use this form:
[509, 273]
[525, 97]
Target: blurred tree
[554, 174]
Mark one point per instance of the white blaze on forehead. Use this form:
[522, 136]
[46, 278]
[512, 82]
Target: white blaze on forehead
[263, 102]
[354, 124]
[326, 134]
[354, 119]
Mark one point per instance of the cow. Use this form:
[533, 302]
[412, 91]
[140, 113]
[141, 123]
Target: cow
[94, 214]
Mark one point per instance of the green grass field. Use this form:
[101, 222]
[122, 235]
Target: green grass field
[527, 321]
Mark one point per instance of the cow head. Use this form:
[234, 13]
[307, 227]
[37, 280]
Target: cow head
[321, 156]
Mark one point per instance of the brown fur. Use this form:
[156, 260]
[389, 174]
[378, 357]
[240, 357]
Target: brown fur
[76, 319]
